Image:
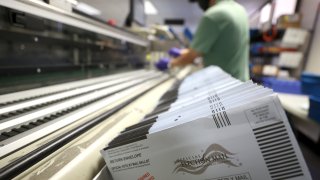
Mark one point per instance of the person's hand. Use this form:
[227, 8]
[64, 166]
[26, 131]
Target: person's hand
[183, 57]
[163, 64]
[178, 61]
[174, 62]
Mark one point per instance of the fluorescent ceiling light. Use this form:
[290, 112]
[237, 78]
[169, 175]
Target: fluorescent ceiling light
[87, 9]
[73, 2]
[265, 13]
[283, 7]
[149, 8]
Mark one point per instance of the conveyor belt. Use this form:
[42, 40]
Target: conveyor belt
[60, 102]
[19, 165]
[19, 131]
[26, 121]
[44, 100]
[26, 95]
[78, 157]
[34, 135]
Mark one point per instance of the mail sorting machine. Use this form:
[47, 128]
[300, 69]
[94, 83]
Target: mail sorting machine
[35, 128]
[57, 131]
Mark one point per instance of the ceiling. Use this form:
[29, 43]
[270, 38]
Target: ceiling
[118, 10]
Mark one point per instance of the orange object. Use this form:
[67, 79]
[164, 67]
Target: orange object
[277, 49]
[257, 69]
[270, 37]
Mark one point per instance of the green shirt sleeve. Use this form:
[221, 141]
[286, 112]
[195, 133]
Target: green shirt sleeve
[206, 35]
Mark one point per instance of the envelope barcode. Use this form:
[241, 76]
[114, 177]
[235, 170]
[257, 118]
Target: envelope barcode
[219, 114]
[278, 151]
[221, 119]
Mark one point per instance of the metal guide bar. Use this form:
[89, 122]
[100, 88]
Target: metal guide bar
[21, 164]
[56, 108]
[44, 10]
[20, 140]
[21, 96]
[19, 108]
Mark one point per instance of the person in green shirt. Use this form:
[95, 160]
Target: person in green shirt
[221, 39]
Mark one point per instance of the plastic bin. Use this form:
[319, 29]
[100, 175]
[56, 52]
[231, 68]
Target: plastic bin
[314, 110]
[283, 86]
[310, 84]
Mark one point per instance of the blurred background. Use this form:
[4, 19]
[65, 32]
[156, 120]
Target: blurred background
[48, 42]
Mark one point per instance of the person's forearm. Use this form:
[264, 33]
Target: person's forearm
[186, 57]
